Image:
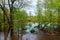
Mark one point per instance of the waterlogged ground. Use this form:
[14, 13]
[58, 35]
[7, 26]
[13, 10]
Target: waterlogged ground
[40, 36]
[2, 36]
[44, 37]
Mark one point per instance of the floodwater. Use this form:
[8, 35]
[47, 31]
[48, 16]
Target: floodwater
[33, 36]
[40, 36]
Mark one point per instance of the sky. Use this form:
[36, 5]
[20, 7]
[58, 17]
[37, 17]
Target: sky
[32, 9]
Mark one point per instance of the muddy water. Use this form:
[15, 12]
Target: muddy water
[31, 36]
[41, 37]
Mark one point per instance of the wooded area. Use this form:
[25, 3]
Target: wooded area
[14, 19]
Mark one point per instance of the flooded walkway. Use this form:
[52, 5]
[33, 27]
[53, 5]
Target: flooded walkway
[31, 36]
[41, 37]
[2, 36]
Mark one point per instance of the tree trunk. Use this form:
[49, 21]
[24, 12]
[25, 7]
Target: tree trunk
[5, 35]
[11, 21]
[21, 36]
[0, 30]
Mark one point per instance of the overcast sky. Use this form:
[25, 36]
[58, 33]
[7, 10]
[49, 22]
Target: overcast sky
[32, 8]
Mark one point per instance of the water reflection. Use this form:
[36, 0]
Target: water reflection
[34, 36]
[41, 37]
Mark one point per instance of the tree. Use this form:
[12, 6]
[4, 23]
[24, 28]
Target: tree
[39, 13]
[53, 5]
[20, 21]
[10, 16]
[10, 22]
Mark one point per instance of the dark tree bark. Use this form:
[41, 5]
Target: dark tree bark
[11, 18]
[5, 20]
[0, 30]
